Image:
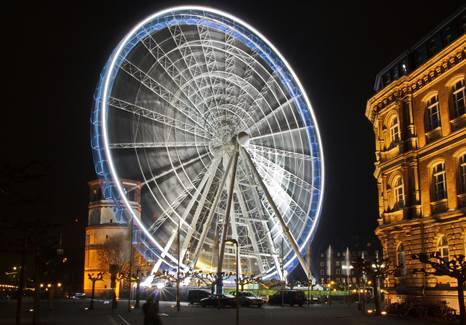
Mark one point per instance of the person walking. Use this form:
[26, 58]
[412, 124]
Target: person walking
[151, 312]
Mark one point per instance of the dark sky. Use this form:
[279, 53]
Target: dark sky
[57, 50]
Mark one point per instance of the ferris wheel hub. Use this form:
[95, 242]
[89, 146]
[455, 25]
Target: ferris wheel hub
[243, 138]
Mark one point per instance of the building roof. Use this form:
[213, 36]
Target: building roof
[448, 31]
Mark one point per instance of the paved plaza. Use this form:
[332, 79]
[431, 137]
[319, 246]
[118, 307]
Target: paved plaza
[73, 312]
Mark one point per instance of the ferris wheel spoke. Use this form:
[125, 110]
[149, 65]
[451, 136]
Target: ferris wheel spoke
[209, 58]
[259, 204]
[279, 133]
[174, 169]
[190, 60]
[206, 190]
[296, 210]
[139, 145]
[157, 117]
[294, 179]
[161, 92]
[170, 68]
[176, 202]
[210, 216]
[207, 175]
[270, 151]
[273, 112]
[251, 234]
[236, 55]
[285, 229]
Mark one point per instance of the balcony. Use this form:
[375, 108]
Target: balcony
[439, 206]
[393, 216]
[462, 200]
[458, 122]
[433, 134]
[391, 152]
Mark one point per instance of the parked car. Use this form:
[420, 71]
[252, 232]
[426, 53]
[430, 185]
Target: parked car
[195, 296]
[220, 300]
[248, 299]
[78, 295]
[290, 297]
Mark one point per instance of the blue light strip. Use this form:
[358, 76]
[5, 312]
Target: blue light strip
[254, 43]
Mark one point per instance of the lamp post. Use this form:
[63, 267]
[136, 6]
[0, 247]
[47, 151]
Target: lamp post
[178, 266]
[130, 262]
[138, 284]
[235, 242]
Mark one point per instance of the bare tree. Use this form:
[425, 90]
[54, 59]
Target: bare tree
[115, 255]
[376, 271]
[454, 267]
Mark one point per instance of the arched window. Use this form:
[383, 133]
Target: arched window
[442, 247]
[432, 114]
[400, 259]
[458, 99]
[439, 185]
[462, 174]
[398, 192]
[394, 130]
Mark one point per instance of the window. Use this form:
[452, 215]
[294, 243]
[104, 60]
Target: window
[458, 98]
[398, 192]
[442, 247]
[400, 259]
[462, 174]
[439, 189]
[432, 114]
[94, 218]
[394, 130]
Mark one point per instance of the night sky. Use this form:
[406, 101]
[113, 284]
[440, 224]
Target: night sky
[55, 52]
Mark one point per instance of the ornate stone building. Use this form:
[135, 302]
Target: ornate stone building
[419, 120]
[105, 221]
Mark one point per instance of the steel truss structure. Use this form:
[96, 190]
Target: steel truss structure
[172, 101]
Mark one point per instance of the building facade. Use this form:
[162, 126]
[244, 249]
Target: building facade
[418, 117]
[335, 264]
[105, 223]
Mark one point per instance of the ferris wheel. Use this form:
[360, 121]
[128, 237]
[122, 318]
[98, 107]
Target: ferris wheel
[201, 109]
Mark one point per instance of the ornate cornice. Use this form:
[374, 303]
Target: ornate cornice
[442, 62]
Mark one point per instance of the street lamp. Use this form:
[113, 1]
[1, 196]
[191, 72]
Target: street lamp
[235, 242]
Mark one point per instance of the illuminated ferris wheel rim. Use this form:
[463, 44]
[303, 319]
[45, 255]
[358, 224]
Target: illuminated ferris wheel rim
[186, 15]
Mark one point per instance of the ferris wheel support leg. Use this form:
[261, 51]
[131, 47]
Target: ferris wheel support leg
[285, 228]
[213, 208]
[210, 174]
[226, 222]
